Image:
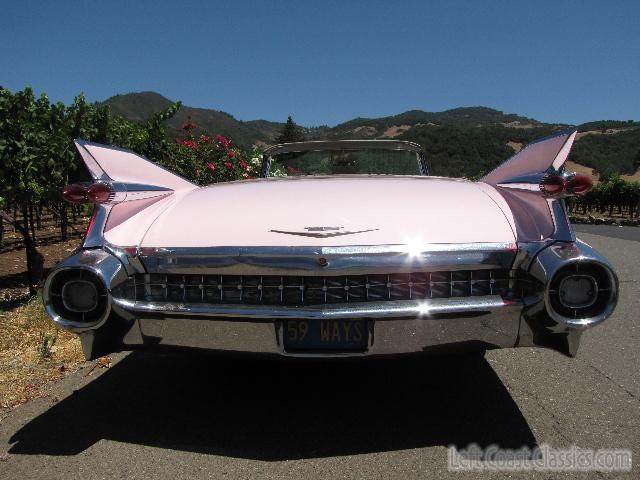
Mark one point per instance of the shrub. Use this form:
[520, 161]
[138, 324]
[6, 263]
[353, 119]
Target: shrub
[211, 158]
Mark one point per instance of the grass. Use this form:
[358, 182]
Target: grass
[33, 352]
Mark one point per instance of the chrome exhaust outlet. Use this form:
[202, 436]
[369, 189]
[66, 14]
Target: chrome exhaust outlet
[580, 291]
[581, 288]
[77, 292]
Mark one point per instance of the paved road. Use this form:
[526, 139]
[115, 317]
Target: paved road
[626, 233]
[204, 417]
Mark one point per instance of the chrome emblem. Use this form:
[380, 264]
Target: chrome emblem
[330, 232]
[322, 229]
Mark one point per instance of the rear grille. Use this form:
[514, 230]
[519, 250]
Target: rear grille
[311, 290]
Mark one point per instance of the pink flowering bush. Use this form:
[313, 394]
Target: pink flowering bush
[211, 158]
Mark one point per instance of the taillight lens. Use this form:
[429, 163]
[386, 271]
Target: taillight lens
[95, 193]
[99, 193]
[579, 184]
[75, 193]
[553, 186]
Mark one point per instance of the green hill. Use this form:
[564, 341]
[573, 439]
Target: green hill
[612, 153]
[140, 106]
[137, 106]
[461, 141]
[463, 117]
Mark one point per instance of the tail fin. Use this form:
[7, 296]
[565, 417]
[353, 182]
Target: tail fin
[128, 191]
[538, 157]
[113, 164]
[522, 180]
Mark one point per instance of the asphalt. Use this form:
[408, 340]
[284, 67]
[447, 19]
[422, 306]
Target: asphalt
[614, 231]
[195, 416]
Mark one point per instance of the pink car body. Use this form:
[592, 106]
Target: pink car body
[347, 265]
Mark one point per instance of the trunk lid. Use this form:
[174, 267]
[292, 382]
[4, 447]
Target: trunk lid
[331, 211]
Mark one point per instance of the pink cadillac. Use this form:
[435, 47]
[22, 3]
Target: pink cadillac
[344, 248]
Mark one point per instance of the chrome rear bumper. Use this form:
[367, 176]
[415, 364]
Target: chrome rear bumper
[395, 327]
[398, 328]
[374, 310]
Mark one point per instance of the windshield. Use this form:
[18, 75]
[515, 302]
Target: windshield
[345, 162]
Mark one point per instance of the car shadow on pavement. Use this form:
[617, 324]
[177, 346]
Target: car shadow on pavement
[278, 410]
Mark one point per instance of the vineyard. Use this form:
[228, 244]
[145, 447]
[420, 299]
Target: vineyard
[612, 197]
[48, 227]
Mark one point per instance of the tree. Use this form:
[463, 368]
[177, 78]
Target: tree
[22, 140]
[156, 146]
[290, 133]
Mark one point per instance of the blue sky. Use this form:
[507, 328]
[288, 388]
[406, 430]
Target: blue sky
[324, 62]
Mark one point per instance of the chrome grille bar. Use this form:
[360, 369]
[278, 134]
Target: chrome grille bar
[314, 290]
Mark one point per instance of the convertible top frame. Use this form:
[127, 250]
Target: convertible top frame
[337, 145]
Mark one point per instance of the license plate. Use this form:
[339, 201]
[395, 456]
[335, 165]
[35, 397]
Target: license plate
[320, 335]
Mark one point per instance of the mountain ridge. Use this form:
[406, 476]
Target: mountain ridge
[138, 106]
[463, 139]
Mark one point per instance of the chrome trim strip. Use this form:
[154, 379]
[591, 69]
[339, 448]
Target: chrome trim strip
[379, 310]
[529, 179]
[138, 187]
[95, 237]
[563, 230]
[328, 260]
[414, 250]
[127, 192]
[343, 145]
[531, 187]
